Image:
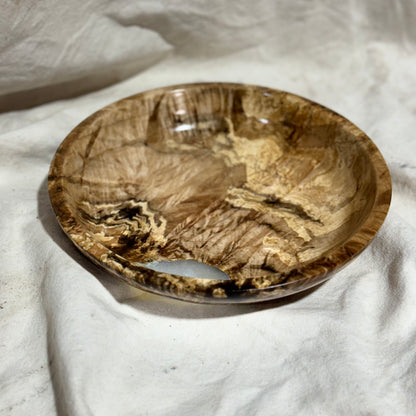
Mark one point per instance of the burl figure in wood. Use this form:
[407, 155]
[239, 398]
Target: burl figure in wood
[271, 188]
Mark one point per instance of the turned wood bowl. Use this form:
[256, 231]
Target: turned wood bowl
[273, 189]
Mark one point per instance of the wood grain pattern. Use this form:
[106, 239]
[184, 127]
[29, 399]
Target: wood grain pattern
[271, 188]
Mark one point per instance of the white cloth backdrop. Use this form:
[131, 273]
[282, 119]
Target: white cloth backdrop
[75, 341]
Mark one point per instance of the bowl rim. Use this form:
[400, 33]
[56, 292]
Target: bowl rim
[200, 290]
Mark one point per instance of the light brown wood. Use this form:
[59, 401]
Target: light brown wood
[271, 188]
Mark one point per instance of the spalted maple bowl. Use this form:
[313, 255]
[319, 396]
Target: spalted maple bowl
[271, 188]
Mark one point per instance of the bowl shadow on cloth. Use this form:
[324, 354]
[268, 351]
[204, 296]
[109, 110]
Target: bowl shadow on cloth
[140, 299]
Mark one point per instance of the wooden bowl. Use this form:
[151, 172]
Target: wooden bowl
[271, 188]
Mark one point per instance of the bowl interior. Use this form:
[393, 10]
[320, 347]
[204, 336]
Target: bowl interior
[254, 181]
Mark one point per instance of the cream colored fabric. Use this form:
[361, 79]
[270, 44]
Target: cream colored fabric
[75, 341]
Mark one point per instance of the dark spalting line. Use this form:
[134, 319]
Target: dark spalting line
[292, 208]
[88, 149]
[265, 267]
[124, 213]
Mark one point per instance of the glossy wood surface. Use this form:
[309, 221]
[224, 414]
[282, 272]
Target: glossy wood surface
[271, 188]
